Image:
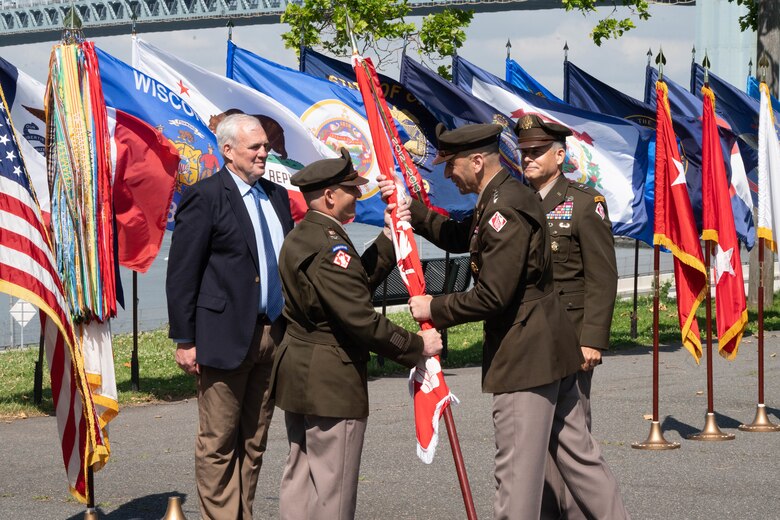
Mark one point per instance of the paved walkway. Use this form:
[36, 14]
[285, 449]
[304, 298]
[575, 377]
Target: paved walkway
[152, 450]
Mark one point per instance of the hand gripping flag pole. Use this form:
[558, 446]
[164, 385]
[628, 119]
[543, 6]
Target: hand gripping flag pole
[426, 382]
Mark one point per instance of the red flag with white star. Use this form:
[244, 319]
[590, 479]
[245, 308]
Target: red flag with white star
[730, 306]
[675, 227]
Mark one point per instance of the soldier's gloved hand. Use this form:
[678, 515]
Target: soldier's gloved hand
[432, 344]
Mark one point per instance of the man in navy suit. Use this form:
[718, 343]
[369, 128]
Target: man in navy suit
[224, 306]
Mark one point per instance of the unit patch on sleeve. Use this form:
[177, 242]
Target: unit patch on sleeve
[600, 210]
[497, 221]
[342, 259]
[562, 211]
[339, 247]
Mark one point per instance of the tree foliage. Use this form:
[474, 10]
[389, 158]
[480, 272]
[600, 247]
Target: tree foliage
[380, 27]
[613, 27]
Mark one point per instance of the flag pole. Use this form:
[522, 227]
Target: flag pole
[655, 440]
[38, 377]
[634, 314]
[134, 376]
[711, 431]
[90, 513]
[460, 467]
[761, 422]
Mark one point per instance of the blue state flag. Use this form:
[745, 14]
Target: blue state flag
[334, 114]
[589, 93]
[142, 96]
[754, 92]
[454, 107]
[517, 76]
[416, 120]
[606, 153]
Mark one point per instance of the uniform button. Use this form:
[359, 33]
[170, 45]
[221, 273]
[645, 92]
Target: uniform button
[560, 291]
[257, 279]
[569, 305]
[555, 232]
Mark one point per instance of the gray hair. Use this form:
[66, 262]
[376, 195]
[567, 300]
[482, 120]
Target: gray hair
[227, 130]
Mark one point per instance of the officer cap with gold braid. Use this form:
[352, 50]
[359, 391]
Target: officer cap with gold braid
[532, 131]
[468, 137]
[328, 172]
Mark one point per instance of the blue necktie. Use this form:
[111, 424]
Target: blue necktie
[273, 289]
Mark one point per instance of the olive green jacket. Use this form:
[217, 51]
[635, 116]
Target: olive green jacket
[528, 340]
[583, 251]
[320, 366]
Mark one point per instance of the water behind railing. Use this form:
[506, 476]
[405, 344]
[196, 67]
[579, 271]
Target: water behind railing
[152, 306]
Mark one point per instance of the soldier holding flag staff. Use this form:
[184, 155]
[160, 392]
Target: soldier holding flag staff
[530, 352]
[320, 374]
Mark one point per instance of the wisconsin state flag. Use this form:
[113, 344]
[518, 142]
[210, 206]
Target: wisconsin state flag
[675, 227]
[718, 226]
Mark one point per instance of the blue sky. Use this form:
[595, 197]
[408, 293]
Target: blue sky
[537, 42]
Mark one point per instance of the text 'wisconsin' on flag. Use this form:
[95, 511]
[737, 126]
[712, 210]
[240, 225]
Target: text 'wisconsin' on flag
[212, 97]
[140, 96]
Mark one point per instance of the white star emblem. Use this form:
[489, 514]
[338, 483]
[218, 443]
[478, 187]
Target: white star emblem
[4, 139]
[17, 170]
[681, 177]
[10, 155]
[723, 263]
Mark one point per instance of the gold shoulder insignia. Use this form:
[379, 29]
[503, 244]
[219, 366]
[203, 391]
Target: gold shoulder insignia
[599, 198]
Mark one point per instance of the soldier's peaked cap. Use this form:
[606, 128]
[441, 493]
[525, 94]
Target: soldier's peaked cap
[328, 172]
[468, 137]
[533, 131]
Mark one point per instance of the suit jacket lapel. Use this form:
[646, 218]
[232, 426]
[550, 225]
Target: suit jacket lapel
[556, 196]
[243, 221]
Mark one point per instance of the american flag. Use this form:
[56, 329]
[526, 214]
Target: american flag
[28, 271]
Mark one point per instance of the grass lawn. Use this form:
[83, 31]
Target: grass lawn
[161, 379]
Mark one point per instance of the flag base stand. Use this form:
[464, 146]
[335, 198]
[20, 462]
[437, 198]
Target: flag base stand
[655, 441]
[711, 432]
[174, 511]
[761, 423]
[90, 514]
